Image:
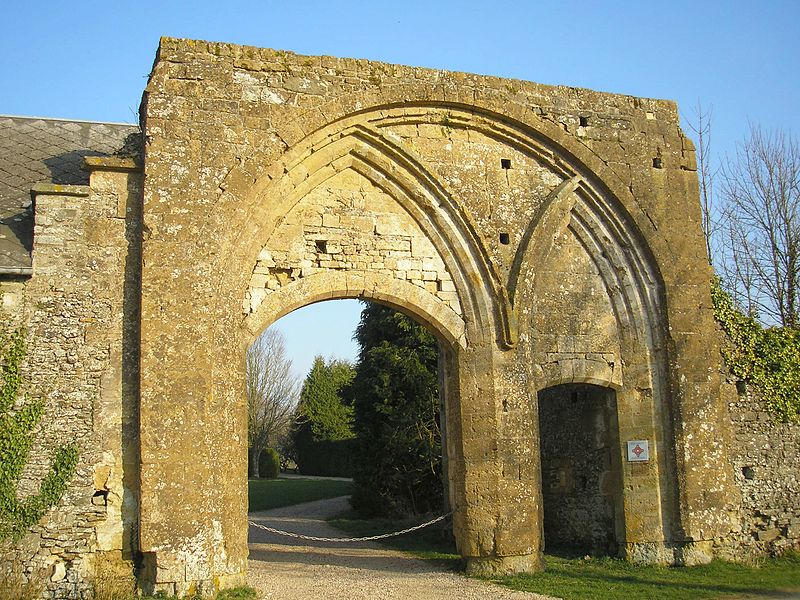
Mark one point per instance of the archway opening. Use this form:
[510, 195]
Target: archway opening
[266, 550]
[581, 470]
[311, 347]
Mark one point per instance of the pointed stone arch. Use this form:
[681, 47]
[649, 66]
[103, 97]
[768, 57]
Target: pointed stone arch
[395, 169]
[637, 365]
[208, 223]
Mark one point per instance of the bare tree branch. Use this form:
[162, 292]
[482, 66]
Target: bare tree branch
[761, 247]
[701, 126]
[272, 393]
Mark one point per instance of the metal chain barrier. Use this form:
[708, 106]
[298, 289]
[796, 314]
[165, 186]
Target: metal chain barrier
[367, 538]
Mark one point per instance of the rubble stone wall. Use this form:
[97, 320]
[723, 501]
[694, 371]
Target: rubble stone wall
[580, 469]
[76, 309]
[765, 454]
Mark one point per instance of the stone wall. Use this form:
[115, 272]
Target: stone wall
[76, 309]
[765, 455]
[349, 224]
[557, 239]
[547, 235]
[580, 469]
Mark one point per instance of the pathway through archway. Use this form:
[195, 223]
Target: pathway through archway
[292, 569]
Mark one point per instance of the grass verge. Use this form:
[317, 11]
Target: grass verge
[265, 494]
[602, 578]
[614, 579]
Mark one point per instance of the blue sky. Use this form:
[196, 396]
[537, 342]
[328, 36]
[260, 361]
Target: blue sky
[90, 60]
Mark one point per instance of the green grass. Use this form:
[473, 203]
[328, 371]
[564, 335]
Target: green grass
[601, 578]
[265, 494]
[615, 579]
[239, 593]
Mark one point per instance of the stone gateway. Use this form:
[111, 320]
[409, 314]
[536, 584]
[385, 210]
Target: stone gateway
[548, 236]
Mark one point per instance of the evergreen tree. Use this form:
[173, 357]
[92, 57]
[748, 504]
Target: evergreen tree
[321, 403]
[398, 462]
[324, 420]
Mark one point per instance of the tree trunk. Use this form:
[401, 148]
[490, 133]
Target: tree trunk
[255, 456]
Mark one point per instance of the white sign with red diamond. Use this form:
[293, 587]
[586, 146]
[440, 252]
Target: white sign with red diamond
[638, 451]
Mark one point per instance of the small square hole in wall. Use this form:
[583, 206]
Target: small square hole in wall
[504, 238]
[749, 473]
[322, 246]
[584, 121]
[657, 162]
[505, 163]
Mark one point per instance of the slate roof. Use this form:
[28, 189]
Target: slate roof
[38, 150]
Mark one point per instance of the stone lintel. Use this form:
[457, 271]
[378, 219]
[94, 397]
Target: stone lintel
[55, 189]
[112, 163]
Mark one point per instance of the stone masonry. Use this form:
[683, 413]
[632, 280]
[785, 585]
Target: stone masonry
[548, 236]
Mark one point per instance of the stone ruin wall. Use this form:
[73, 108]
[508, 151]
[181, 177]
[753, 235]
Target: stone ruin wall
[765, 455]
[81, 305]
[349, 224]
[77, 308]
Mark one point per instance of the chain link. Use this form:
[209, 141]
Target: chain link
[367, 538]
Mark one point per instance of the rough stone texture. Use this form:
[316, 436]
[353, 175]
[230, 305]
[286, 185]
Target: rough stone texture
[766, 465]
[581, 488]
[77, 310]
[561, 233]
[547, 236]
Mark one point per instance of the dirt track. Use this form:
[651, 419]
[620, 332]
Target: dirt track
[285, 568]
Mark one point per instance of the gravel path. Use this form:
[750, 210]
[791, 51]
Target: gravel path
[283, 568]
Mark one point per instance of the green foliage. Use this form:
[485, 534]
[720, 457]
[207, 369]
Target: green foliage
[239, 593]
[321, 402]
[328, 458]
[398, 463]
[769, 359]
[324, 421]
[270, 466]
[19, 416]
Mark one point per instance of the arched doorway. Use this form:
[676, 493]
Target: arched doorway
[581, 470]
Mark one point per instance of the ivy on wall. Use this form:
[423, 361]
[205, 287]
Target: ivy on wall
[767, 358]
[19, 416]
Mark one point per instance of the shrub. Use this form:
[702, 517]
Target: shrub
[270, 464]
[327, 458]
